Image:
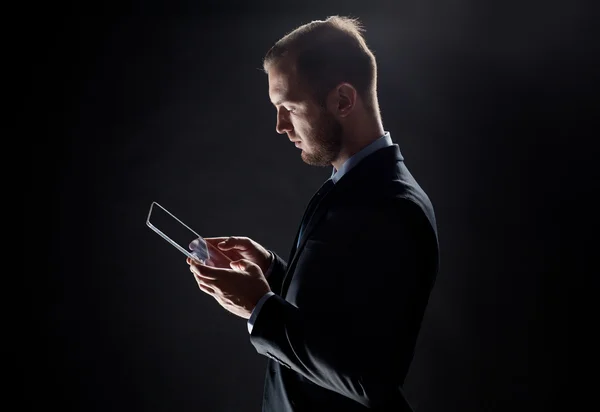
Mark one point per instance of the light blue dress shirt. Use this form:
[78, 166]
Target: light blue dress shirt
[336, 175]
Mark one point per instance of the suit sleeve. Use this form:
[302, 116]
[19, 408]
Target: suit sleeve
[358, 338]
[276, 272]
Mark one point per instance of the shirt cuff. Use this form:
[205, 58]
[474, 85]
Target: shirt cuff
[256, 309]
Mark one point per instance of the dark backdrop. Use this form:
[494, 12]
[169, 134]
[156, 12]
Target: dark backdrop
[170, 105]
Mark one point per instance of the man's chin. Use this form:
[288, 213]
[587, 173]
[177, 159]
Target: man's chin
[313, 161]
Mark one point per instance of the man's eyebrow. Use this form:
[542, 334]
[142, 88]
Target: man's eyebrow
[285, 99]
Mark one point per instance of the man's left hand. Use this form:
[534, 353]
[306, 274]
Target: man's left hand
[237, 289]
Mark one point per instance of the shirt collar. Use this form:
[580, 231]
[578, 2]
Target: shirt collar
[383, 141]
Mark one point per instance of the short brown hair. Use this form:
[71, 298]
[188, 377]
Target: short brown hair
[327, 53]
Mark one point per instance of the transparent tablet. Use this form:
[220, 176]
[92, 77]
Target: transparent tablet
[177, 233]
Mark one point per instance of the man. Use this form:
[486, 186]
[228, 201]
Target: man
[339, 320]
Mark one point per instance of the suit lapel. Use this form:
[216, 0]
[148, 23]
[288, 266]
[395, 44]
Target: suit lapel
[368, 172]
[320, 210]
[294, 246]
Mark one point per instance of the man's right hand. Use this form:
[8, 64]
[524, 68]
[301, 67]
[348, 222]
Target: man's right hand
[224, 250]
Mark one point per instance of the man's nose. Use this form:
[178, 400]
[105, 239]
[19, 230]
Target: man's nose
[283, 124]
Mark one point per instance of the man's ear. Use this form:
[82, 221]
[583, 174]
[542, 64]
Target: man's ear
[342, 99]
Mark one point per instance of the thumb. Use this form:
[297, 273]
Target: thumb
[246, 266]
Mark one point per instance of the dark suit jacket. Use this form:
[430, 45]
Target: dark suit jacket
[341, 330]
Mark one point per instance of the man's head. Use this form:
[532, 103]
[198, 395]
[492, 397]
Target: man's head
[322, 81]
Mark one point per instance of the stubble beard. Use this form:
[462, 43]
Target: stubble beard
[326, 143]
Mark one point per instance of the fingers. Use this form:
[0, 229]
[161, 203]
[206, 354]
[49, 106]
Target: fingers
[215, 240]
[218, 254]
[227, 242]
[246, 266]
[237, 265]
[194, 244]
[230, 239]
[234, 242]
[205, 288]
[204, 271]
[205, 282]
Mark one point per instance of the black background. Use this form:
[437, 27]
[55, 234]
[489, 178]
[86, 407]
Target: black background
[167, 103]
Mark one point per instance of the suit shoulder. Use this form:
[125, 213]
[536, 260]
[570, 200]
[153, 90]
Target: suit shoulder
[407, 195]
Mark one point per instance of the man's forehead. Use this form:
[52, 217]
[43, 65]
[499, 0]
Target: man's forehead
[283, 82]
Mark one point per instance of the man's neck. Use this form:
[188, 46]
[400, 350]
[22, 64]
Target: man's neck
[356, 142]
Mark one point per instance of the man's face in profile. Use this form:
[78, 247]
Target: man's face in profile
[308, 124]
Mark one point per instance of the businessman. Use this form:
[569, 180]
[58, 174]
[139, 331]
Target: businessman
[340, 318]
